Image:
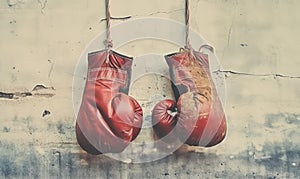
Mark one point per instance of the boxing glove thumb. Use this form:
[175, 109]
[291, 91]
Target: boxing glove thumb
[125, 117]
[162, 119]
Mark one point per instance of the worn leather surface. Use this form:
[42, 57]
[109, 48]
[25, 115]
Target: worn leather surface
[108, 119]
[200, 119]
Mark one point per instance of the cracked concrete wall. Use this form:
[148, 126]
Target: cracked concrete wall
[256, 42]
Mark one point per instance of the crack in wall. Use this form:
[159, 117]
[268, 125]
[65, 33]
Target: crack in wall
[227, 73]
[130, 16]
[164, 12]
[50, 70]
[229, 32]
[116, 18]
[230, 27]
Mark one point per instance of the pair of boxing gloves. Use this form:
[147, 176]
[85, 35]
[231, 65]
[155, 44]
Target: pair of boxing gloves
[109, 119]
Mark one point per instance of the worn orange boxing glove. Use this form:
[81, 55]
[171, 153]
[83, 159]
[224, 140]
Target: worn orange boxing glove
[199, 118]
[108, 119]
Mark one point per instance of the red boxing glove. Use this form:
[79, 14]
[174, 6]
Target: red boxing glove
[200, 119]
[108, 119]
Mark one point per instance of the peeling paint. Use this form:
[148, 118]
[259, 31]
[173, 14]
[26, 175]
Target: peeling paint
[15, 95]
[38, 91]
[43, 3]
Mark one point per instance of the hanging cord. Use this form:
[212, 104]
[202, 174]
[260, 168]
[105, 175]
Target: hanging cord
[108, 42]
[187, 25]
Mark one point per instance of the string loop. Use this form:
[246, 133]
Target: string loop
[108, 41]
[187, 25]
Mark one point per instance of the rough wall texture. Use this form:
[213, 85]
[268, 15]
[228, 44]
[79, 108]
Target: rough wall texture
[257, 46]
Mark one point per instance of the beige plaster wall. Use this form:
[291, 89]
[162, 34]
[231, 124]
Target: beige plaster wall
[256, 43]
